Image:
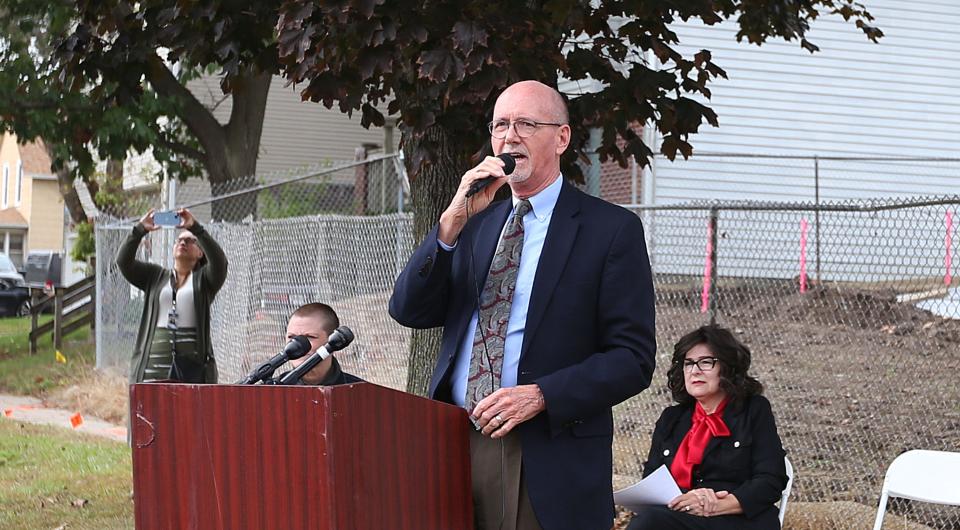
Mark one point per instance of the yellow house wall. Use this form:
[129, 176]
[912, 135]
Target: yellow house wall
[46, 224]
[26, 206]
[9, 156]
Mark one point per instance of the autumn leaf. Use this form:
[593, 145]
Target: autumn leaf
[466, 35]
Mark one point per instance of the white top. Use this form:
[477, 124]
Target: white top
[186, 310]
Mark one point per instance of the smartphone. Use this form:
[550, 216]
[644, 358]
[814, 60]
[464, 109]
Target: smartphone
[169, 218]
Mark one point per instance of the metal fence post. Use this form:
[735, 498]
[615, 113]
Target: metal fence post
[714, 214]
[816, 213]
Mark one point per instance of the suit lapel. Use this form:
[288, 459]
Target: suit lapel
[553, 258]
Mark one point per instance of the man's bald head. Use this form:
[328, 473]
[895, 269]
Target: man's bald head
[549, 101]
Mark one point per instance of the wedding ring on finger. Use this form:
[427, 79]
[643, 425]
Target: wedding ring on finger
[499, 419]
[686, 508]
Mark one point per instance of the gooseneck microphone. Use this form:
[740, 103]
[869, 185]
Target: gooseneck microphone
[337, 341]
[295, 349]
[508, 166]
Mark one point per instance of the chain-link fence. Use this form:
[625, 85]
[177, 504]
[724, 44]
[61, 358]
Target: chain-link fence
[851, 311]
[291, 242]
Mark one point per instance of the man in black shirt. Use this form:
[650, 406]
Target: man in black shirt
[316, 322]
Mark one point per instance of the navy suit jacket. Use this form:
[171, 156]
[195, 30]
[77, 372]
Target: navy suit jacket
[588, 343]
[749, 463]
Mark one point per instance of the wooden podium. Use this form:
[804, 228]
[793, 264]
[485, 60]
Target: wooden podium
[350, 457]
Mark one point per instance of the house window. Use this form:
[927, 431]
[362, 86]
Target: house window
[11, 243]
[15, 250]
[6, 183]
[19, 182]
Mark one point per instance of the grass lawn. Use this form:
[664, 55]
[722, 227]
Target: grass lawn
[54, 478]
[25, 374]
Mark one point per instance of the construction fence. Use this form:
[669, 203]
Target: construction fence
[852, 311]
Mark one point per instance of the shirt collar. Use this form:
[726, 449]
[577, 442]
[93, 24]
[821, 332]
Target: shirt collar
[543, 203]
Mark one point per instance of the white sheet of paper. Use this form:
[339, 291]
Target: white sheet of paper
[657, 488]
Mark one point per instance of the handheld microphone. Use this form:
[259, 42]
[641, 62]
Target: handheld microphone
[508, 166]
[295, 349]
[337, 341]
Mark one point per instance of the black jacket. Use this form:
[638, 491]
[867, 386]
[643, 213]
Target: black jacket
[748, 463]
[336, 376]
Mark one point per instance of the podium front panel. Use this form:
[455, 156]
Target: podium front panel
[297, 457]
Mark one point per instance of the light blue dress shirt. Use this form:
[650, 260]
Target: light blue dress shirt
[535, 225]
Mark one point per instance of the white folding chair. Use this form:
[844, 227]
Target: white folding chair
[928, 476]
[786, 490]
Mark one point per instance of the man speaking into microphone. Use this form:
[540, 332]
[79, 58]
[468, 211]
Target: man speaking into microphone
[317, 322]
[547, 306]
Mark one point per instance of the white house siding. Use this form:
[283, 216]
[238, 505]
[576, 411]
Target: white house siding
[854, 98]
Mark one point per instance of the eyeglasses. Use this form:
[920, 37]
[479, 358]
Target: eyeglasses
[187, 241]
[704, 365]
[524, 128]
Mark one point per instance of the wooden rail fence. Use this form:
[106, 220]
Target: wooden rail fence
[64, 320]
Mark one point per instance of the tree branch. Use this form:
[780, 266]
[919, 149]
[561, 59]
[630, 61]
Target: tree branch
[197, 118]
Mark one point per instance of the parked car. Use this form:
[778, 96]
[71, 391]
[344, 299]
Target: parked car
[14, 294]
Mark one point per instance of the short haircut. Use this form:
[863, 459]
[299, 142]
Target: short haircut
[326, 314]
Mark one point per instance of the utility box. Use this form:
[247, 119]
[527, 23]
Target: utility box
[44, 266]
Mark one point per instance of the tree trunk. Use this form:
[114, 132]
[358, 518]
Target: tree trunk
[230, 151]
[430, 190]
[69, 193]
[235, 168]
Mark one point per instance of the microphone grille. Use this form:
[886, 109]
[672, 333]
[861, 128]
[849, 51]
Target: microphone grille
[339, 339]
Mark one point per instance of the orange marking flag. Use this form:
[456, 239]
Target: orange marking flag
[76, 420]
[8, 413]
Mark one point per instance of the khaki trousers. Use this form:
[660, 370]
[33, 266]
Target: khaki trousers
[500, 500]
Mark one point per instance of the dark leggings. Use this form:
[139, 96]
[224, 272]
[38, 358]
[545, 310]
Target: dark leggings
[663, 518]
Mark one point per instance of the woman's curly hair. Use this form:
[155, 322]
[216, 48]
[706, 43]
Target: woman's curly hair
[734, 362]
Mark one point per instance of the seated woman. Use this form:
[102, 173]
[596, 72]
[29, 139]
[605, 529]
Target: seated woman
[720, 443]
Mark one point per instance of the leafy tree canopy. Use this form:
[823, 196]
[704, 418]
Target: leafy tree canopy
[109, 76]
[442, 63]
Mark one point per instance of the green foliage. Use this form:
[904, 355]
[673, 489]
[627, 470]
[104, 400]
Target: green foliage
[85, 245]
[44, 470]
[443, 63]
[88, 78]
[293, 200]
[76, 117]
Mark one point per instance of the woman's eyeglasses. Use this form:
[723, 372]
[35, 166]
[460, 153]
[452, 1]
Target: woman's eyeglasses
[704, 365]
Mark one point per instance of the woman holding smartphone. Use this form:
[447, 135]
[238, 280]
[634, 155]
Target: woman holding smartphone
[173, 341]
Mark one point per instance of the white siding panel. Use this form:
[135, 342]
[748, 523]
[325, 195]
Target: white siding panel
[853, 98]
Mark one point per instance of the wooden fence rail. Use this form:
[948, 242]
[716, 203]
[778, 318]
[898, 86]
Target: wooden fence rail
[64, 321]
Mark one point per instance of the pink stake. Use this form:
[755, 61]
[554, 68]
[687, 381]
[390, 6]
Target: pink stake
[707, 269]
